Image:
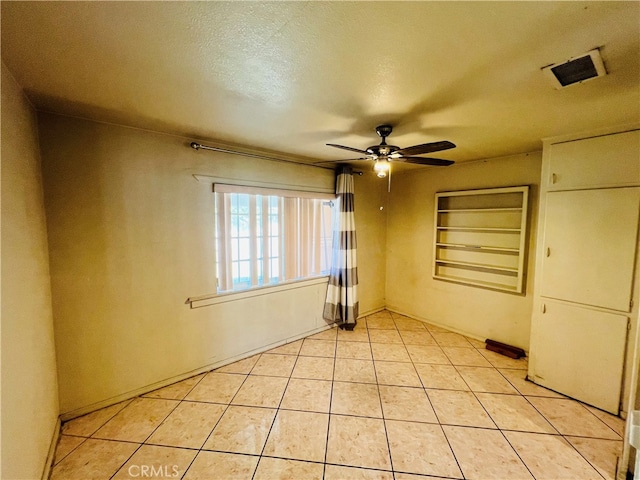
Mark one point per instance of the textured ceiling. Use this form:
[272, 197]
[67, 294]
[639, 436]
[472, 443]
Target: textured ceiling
[292, 76]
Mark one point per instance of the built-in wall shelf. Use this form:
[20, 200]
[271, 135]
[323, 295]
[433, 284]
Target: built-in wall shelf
[480, 237]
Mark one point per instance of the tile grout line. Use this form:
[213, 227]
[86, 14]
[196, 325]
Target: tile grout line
[453, 453]
[384, 420]
[563, 436]
[147, 438]
[227, 405]
[333, 375]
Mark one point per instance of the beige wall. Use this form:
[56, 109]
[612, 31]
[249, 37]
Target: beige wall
[371, 227]
[131, 238]
[29, 385]
[410, 288]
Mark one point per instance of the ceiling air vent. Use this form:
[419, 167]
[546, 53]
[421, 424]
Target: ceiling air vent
[576, 70]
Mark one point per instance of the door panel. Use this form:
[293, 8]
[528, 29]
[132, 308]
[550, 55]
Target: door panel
[605, 161]
[579, 352]
[589, 246]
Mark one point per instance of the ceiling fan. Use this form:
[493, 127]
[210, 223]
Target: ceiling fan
[383, 154]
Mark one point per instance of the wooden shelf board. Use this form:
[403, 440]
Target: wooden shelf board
[480, 210]
[485, 266]
[479, 247]
[482, 229]
[496, 286]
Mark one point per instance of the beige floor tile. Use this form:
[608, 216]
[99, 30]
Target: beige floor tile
[550, 457]
[450, 339]
[465, 356]
[514, 412]
[390, 352]
[601, 454]
[479, 344]
[615, 423]
[157, 462]
[292, 348]
[176, 391]
[351, 370]
[259, 391]
[316, 368]
[395, 373]
[380, 315]
[440, 376]
[361, 325]
[298, 436]
[572, 418]
[428, 354]
[307, 395]
[359, 399]
[274, 365]
[436, 329]
[482, 379]
[421, 448]
[459, 408]
[66, 445]
[412, 337]
[94, 459]
[279, 469]
[87, 425]
[358, 350]
[188, 425]
[410, 476]
[485, 454]
[227, 466]
[318, 348]
[384, 336]
[405, 403]
[336, 472]
[409, 324]
[329, 334]
[242, 367]
[517, 378]
[356, 335]
[241, 430]
[216, 387]
[380, 324]
[358, 442]
[138, 420]
[502, 361]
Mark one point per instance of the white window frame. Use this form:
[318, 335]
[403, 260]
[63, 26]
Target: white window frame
[293, 266]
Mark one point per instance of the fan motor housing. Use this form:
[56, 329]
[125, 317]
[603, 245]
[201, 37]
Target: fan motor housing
[384, 130]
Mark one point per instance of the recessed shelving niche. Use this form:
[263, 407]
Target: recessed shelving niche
[480, 237]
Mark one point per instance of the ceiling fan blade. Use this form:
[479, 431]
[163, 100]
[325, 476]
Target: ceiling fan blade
[347, 148]
[438, 162]
[342, 160]
[426, 148]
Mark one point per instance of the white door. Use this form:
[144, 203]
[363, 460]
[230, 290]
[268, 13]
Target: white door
[579, 325]
[590, 242]
[579, 352]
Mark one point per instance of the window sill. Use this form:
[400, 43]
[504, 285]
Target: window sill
[216, 298]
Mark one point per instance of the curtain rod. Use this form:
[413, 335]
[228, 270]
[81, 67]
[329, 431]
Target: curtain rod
[198, 146]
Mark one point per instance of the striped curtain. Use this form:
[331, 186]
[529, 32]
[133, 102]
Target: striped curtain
[341, 305]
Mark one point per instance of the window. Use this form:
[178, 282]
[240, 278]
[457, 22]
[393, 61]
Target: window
[267, 236]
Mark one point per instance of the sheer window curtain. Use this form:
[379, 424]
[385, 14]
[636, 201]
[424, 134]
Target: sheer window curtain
[341, 305]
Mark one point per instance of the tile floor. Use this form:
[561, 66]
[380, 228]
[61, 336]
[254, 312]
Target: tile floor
[394, 399]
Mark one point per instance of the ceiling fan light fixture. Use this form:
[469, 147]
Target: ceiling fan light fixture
[381, 167]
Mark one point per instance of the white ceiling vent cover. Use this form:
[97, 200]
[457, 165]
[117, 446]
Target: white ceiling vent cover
[576, 70]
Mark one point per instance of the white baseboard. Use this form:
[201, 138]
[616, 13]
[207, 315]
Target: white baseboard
[52, 450]
[66, 416]
[436, 324]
